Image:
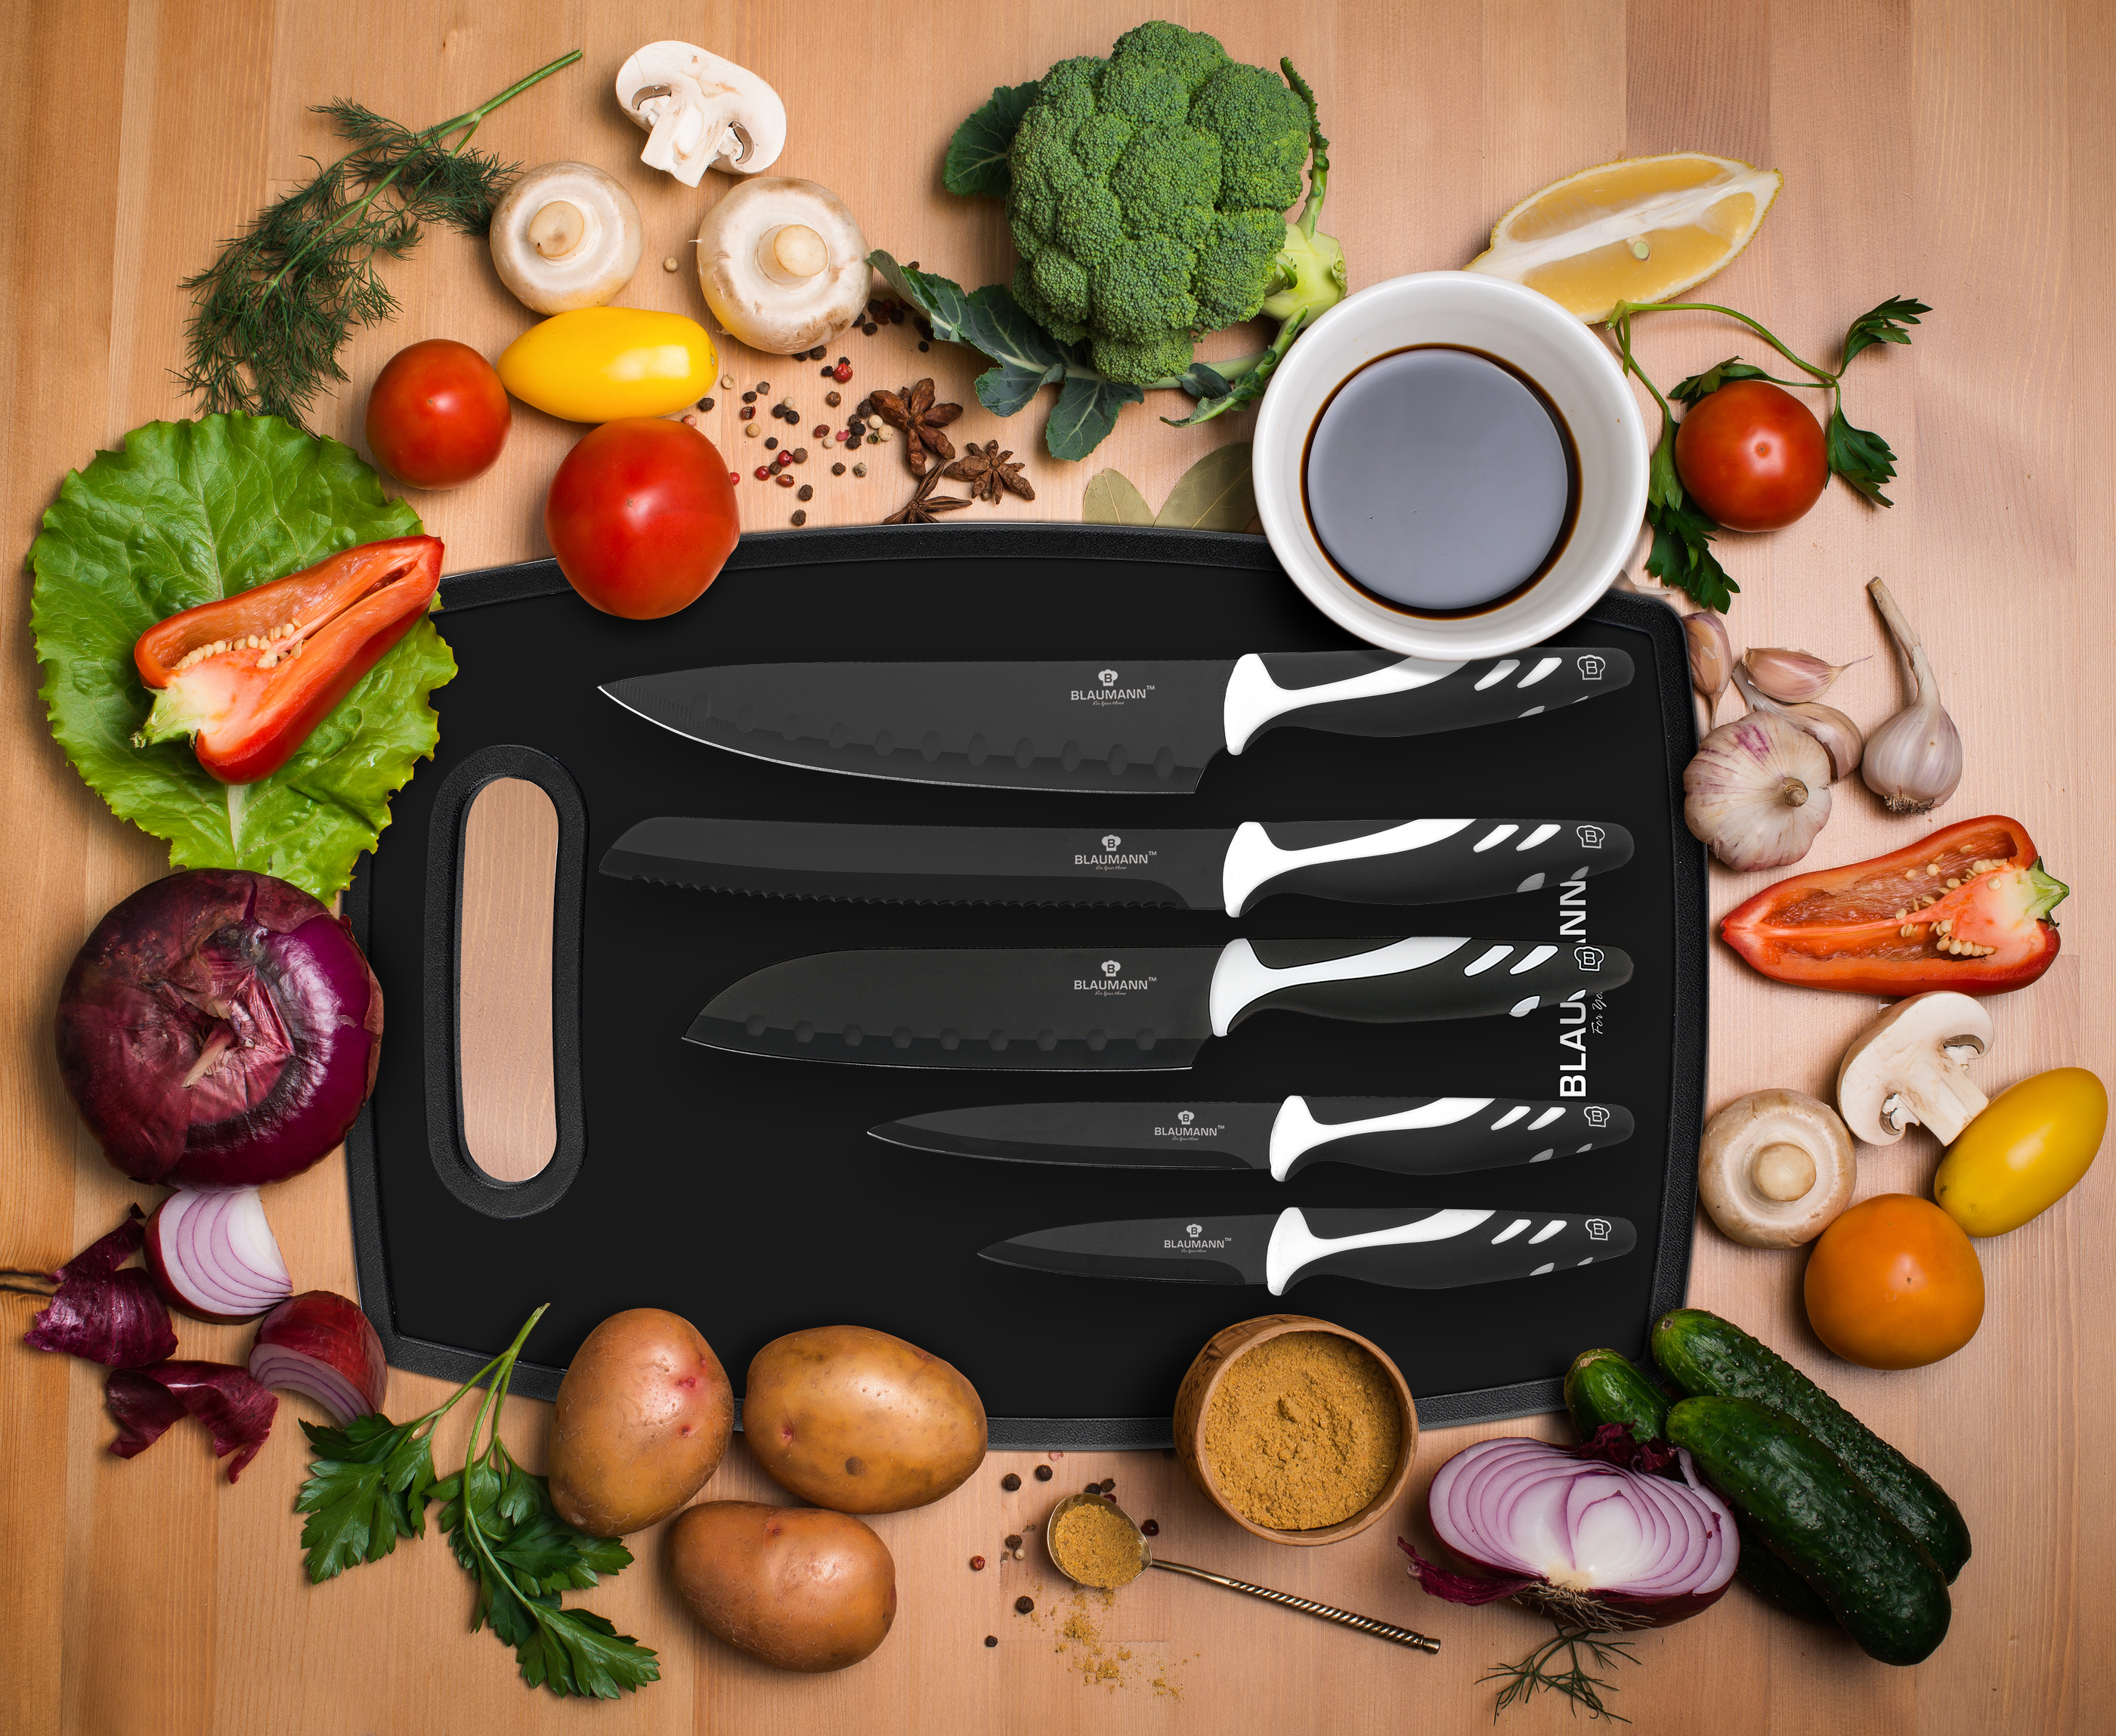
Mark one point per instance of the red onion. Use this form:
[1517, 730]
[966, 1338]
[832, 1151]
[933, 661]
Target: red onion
[321, 1344]
[219, 1028]
[214, 1255]
[1569, 1531]
[233, 1407]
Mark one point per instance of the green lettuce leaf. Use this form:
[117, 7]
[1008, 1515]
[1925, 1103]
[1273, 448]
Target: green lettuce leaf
[187, 513]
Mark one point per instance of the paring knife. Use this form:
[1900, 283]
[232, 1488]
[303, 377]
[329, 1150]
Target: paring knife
[1382, 862]
[1412, 1249]
[1146, 1007]
[1126, 725]
[1407, 1135]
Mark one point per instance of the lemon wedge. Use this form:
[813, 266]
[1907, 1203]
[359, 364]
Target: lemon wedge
[1642, 229]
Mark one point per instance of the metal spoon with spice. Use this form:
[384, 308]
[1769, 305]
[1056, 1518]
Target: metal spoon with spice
[1093, 1542]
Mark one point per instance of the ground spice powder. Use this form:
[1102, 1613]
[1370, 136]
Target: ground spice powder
[1095, 1544]
[1304, 1431]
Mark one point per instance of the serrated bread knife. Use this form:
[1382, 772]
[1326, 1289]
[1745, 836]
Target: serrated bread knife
[1405, 1135]
[1230, 868]
[1144, 725]
[1144, 1007]
[1408, 1247]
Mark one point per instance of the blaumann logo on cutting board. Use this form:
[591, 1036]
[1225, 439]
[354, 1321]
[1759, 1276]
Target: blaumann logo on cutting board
[1105, 689]
[1112, 982]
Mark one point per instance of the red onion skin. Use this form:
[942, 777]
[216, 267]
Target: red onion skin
[253, 967]
[145, 1401]
[333, 1329]
[108, 1316]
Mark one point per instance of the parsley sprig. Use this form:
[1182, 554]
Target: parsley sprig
[1682, 555]
[370, 1483]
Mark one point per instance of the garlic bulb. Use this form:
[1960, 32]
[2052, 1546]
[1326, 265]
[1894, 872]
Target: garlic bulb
[1793, 677]
[1711, 656]
[1839, 736]
[1756, 792]
[1914, 759]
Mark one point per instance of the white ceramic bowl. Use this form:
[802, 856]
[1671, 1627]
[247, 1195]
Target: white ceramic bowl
[1550, 346]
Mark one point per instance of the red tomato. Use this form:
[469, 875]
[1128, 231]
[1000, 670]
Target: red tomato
[641, 515]
[1752, 456]
[438, 415]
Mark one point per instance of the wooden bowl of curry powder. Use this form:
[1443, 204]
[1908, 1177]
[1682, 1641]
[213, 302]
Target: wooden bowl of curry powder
[1298, 1431]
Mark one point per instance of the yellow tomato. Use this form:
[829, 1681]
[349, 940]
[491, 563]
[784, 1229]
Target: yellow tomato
[600, 364]
[2023, 1153]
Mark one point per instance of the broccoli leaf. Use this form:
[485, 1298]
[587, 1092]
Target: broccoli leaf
[1086, 410]
[977, 156]
[1862, 459]
[188, 513]
[1024, 358]
[1886, 324]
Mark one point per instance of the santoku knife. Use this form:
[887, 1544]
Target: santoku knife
[1407, 1135]
[1411, 1247]
[1382, 862]
[1127, 724]
[1145, 1007]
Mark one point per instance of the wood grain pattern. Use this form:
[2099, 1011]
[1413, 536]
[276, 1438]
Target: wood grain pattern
[1954, 148]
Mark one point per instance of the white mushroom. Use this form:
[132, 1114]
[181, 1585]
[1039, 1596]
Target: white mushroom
[783, 264]
[566, 236]
[1909, 1068]
[1775, 1168]
[701, 111]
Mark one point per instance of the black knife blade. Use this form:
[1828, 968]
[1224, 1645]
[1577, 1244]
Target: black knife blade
[1405, 1135]
[1409, 1248]
[1394, 862]
[1151, 1007]
[1148, 726]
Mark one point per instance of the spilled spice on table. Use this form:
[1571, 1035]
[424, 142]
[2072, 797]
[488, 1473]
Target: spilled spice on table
[1304, 1431]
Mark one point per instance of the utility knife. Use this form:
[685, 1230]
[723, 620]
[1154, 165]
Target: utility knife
[1144, 1007]
[1381, 862]
[1405, 1135]
[1146, 725]
[1409, 1247]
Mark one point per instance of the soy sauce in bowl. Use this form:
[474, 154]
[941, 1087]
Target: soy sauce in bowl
[1441, 481]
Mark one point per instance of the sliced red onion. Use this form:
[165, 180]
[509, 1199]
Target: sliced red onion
[1567, 1529]
[213, 1254]
[320, 1344]
[219, 1028]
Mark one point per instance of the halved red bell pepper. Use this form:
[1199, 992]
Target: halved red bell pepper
[250, 677]
[1967, 908]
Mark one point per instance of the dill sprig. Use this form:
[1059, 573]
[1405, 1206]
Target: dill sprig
[272, 312]
[1574, 1679]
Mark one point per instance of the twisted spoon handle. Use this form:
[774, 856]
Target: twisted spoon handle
[1364, 1623]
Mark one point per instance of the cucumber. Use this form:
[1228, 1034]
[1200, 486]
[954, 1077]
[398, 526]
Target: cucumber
[1820, 1519]
[1604, 1387]
[1705, 1355]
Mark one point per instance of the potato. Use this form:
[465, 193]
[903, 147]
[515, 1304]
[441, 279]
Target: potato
[852, 1419]
[798, 1588]
[642, 1420]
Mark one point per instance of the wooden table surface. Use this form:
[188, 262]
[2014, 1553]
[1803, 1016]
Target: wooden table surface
[1958, 152]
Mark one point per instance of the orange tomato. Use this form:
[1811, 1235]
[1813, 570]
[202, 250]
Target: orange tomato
[1894, 1283]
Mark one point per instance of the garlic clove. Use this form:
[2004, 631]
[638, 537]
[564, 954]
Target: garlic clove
[1839, 737]
[1913, 761]
[1757, 792]
[1793, 677]
[1711, 656]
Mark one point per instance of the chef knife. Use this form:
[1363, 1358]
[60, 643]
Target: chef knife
[1146, 1007]
[1392, 862]
[1406, 1135]
[1144, 726]
[1411, 1248]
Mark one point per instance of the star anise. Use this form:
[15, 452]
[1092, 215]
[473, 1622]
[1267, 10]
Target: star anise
[925, 506]
[914, 413]
[985, 469]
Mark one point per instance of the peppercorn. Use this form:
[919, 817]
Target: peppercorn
[749, 397]
[1014, 1543]
[822, 431]
[842, 372]
[1151, 1527]
[747, 411]
[751, 431]
[764, 472]
[976, 1563]
[817, 353]
[808, 492]
[859, 470]
[991, 1639]
[833, 399]
[735, 476]
[800, 454]
[923, 345]
[705, 403]
[1043, 1473]
[1108, 1484]
[1023, 1605]
[785, 481]
[1009, 1482]
[826, 371]
[800, 518]
[762, 387]
[867, 330]
[771, 442]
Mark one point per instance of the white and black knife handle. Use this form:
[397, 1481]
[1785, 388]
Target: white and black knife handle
[1439, 1135]
[1414, 861]
[1427, 977]
[1437, 1249]
[1376, 692]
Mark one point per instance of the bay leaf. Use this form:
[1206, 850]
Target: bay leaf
[1112, 498]
[1215, 494]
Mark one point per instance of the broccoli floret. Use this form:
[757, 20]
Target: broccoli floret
[1148, 198]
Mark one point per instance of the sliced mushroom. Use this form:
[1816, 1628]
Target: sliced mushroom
[1775, 1167]
[783, 264]
[1909, 1068]
[566, 236]
[701, 111]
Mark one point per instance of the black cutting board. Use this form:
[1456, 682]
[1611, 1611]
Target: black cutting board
[744, 1193]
